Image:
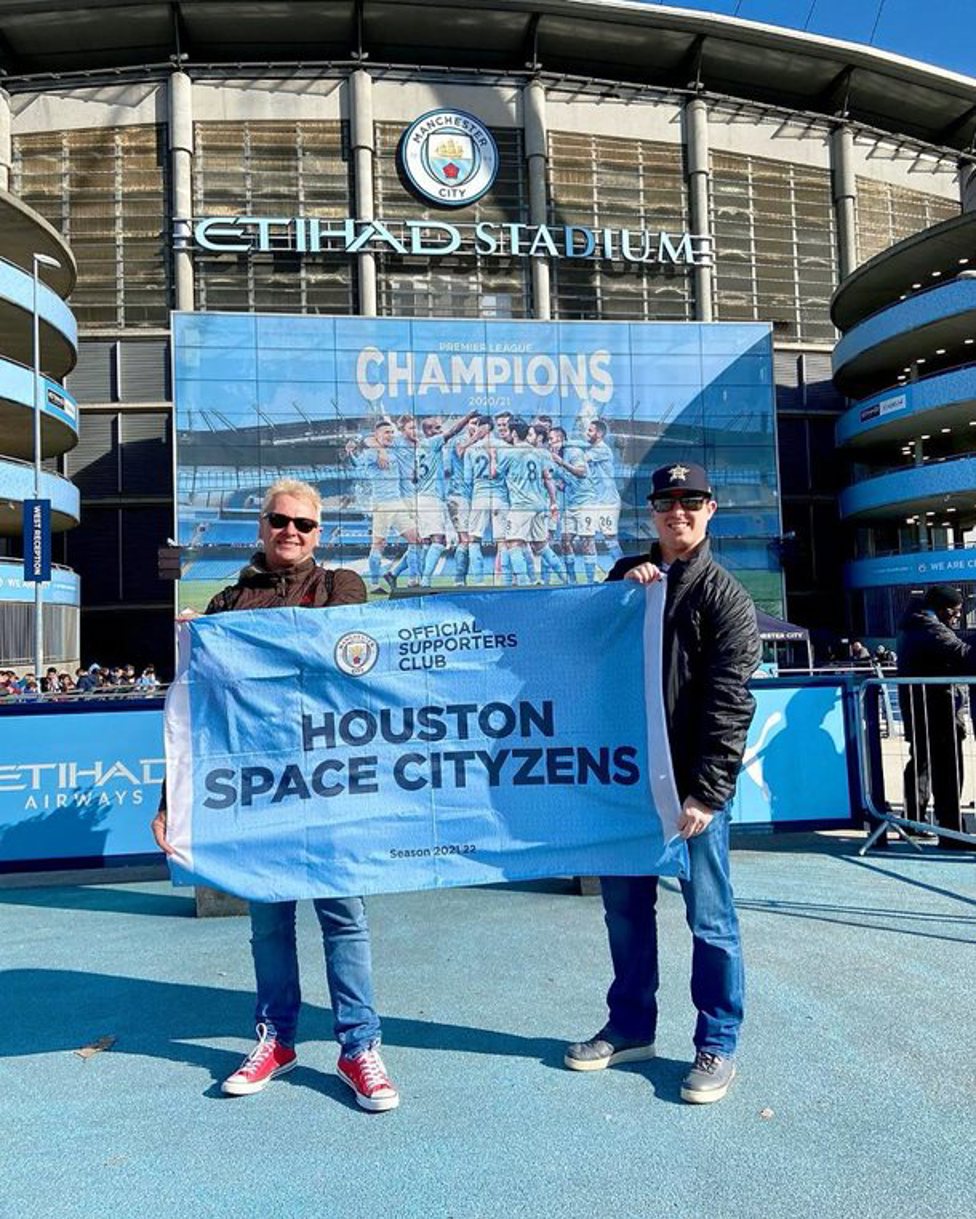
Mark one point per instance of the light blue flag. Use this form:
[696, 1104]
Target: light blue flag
[447, 740]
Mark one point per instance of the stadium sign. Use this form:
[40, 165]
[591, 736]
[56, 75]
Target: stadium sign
[437, 239]
[449, 157]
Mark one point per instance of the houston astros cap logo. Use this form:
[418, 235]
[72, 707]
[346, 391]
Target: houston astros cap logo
[449, 156]
[678, 474]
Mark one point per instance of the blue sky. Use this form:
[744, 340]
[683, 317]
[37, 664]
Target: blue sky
[941, 32]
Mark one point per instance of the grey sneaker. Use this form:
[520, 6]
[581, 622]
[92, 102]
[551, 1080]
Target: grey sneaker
[709, 1079]
[604, 1050]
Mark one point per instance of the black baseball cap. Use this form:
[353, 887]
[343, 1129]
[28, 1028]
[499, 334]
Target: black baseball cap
[680, 476]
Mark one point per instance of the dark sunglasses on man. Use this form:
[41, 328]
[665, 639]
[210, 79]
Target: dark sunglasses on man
[664, 503]
[278, 520]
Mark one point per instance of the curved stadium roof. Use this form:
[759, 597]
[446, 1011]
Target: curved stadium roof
[614, 41]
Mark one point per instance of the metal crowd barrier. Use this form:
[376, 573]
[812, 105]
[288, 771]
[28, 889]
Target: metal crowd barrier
[101, 695]
[916, 743]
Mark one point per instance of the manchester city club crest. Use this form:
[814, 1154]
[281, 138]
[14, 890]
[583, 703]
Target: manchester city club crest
[356, 653]
[449, 156]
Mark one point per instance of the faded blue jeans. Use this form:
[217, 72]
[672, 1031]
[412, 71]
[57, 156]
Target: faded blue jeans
[717, 982]
[348, 970]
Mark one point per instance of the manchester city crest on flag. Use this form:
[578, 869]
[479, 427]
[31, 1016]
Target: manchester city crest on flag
[356, 653]
[449, 156]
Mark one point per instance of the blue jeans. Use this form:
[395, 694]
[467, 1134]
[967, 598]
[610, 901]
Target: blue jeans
[717, 982]
[348, 970]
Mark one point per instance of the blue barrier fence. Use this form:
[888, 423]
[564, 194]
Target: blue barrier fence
[80, 782]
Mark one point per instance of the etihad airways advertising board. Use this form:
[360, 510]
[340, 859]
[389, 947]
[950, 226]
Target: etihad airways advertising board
[469, 453]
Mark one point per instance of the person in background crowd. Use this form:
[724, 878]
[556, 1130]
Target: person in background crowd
[285, 573]
[860, 654]
[147, 678]
[49, 682]
[934, 715]
[85, 681]
[711, 649]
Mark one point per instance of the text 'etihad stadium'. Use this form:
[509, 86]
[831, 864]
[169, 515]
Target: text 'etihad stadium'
[436, 238]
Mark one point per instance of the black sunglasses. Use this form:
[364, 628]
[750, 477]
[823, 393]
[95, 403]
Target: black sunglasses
[664, 503]
[278, 520]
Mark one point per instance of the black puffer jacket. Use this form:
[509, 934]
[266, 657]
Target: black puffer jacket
[711, 649]
[304, 585]
[928, 648]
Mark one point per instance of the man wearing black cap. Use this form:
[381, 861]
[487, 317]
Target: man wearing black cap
[711, 649]
[932, 715]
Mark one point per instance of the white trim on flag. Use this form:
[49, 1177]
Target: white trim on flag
[661, 775]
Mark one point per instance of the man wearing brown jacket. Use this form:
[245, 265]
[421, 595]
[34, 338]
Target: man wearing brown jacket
[284, 573]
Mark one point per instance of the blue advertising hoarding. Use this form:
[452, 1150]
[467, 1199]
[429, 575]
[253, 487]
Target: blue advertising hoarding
[61, 589]
[388, 418]
[84, 785]
[78, 784]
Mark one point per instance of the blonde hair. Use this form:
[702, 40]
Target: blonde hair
[296, 489]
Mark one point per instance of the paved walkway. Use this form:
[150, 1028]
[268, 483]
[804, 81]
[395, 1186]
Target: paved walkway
[856, 1095]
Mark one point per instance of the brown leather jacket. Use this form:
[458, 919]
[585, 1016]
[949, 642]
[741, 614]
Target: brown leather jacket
[305, 585]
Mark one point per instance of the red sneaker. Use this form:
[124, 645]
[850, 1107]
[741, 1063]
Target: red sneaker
[367, 1077]
[266, 1061]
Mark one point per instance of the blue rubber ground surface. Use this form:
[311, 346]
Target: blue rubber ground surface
[856, 1093]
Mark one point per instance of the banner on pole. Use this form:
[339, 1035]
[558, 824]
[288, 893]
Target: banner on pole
[449, 740]
[37, 540]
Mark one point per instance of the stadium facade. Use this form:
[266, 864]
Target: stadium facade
[652, 165]
[37, 271]
[908, 359]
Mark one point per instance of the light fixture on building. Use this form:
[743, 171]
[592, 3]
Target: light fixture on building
[940, 351]
[916, 285]
[963, 262]
[946, 429]
[936, 274]
[920, 360]
[925, 436]
[969, 342]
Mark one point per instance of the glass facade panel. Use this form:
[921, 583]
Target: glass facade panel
[775, 244]
[887, 214]
[602, 181]
[273, 169]
[107, 191]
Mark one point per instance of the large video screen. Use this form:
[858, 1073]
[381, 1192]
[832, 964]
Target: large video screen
[469, 453]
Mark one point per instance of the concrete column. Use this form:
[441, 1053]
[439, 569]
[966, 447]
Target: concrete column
[363, 152]
[967, 184]
[181, 168]
[845, 197]
[536, 159]
[699, 184]
[6, 141]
